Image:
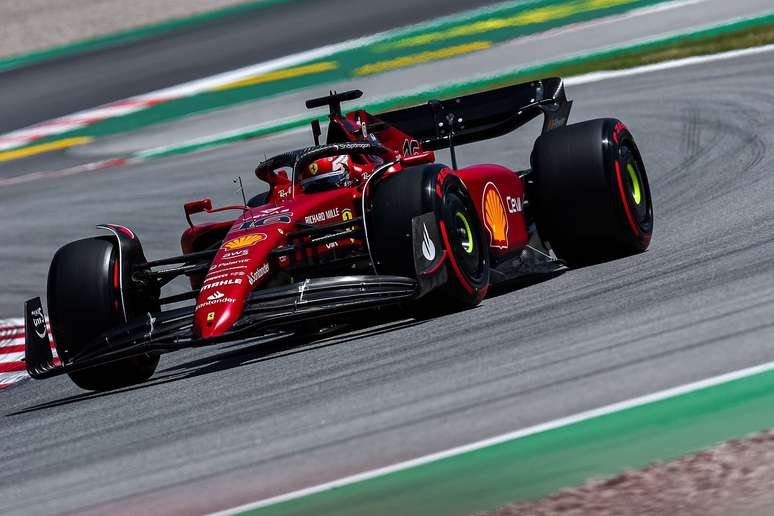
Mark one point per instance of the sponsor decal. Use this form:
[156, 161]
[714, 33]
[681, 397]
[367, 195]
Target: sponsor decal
[252, 278]
[272, 211]
[439, 182]
[211, 316]
[244, 241]
[346, 214]
[222, 283]
[226, 275]
[428, 247]
[230, 265]
[495, 216]
[216, 302]
[267, 221]
[215, 295]
[322, 216]
[410, 147]
[513, 204]
[39, 321]
[234, 254]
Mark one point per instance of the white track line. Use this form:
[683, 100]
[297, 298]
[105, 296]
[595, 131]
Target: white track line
[569, 420]
[666, 65]
[570, 81]
[123, 107]
[519, 434]
[87, 117]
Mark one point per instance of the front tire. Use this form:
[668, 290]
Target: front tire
[411, 193]
[590, 195]
[84, 301]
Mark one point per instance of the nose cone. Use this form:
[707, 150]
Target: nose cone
[220, 303]
[215, 320]
[236, 269]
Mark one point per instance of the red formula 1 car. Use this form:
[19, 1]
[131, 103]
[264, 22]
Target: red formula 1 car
[365, 220]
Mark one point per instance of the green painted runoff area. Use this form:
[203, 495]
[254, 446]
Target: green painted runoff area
[537, 465]
[429, 41]
[583, 63]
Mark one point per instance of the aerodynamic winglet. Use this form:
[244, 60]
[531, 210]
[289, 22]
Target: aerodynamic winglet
[37, 346]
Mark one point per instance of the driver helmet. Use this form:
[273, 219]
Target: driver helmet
[326, 173]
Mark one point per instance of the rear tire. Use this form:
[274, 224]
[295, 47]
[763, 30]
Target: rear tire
[590, 195]
[83, 302]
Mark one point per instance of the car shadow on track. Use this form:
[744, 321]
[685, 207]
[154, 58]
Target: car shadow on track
[231, 357]
[246, 353]
[508, 287]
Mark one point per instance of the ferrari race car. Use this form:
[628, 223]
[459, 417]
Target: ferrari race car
[365, 220]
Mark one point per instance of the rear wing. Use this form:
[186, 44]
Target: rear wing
[480, 116]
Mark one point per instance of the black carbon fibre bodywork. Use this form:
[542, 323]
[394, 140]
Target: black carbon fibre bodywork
[266, 310]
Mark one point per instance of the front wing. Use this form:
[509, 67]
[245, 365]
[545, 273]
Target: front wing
[265, 311]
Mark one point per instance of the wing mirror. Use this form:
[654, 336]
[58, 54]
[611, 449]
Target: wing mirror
[196, 207]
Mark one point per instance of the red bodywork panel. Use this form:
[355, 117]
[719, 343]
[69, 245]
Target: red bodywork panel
[498, 194]
[242, 263]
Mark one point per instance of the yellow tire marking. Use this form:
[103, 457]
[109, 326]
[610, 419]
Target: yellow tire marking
[44, 147]
[288, 73]
[423, 57]
[531, 17]
[469, 247]
[635, 184]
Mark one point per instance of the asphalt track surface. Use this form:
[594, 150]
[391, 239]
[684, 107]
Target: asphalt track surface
[65, 85]
[221, 426]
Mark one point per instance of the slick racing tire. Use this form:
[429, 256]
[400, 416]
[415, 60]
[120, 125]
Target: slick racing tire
[84, 301]
[590, 194]
[410, 193]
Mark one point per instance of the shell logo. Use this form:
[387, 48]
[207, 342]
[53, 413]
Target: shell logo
[495, 216]
[244, 241]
